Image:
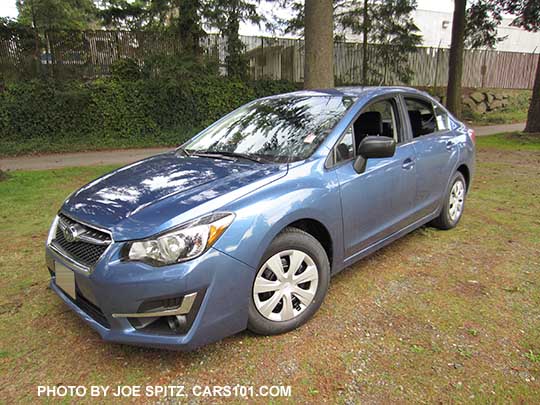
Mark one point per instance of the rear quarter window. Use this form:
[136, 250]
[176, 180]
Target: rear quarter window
[443, 121]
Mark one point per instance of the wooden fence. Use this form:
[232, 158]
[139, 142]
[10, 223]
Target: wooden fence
[89, 54]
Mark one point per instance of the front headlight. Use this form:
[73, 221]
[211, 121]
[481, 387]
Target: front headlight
[185, 243]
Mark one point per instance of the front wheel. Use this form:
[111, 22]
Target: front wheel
[290, 285]
[454, 204]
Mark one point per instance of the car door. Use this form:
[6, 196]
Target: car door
[378, 201]
[436, 152]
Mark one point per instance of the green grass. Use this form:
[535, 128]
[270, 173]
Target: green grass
[497, 117]
[534, 357]
[35, 196]
[438, 316]
[510, 141]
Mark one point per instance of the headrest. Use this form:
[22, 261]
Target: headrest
[416, 121]
[369, 123]
[342, 152]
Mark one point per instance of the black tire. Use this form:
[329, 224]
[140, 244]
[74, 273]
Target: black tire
[292, 238]
[444, 220]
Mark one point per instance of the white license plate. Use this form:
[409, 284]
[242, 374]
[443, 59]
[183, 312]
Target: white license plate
[65, 279]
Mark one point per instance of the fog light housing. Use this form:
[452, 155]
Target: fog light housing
[177, 323]
[165, 316]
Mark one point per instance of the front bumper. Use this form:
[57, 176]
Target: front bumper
[222, 284]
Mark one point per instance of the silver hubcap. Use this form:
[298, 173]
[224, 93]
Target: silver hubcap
[285, 285]
[457, 198]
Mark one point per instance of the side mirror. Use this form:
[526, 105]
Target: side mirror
[373, 147]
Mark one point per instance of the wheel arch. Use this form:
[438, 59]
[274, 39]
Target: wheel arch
[316, 229]
[464, 170]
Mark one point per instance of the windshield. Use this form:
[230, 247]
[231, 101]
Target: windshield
[283, 129]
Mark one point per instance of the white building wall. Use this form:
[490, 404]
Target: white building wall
[436, 29]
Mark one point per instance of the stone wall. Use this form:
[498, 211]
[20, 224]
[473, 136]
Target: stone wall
[485, 101]
[481, 103]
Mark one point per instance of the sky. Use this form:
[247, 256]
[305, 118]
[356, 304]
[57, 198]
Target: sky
[8, 9]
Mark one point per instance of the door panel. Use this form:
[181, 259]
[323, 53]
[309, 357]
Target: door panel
[436, 155]
[379, 201]
[436, 152]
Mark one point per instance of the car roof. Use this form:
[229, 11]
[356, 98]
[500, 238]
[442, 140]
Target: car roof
[352, 91]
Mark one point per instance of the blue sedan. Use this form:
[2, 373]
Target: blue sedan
[243, 225]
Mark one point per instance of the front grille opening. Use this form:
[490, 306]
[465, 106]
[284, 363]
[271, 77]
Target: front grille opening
[93, 311]
[89, 308]
[84, 253]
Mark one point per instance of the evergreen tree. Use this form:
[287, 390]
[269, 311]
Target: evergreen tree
[134, 15]
[181, 17]
[186, 18]
[57, 14]
[387, 24]
[388, 33]
[481, 26]
[226, 16]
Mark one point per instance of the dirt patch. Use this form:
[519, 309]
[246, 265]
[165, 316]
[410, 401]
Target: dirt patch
[471, 288]
[10, 308]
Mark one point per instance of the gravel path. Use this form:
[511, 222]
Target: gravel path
[125, 156]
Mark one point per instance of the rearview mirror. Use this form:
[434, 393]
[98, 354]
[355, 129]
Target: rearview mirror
[373, 147]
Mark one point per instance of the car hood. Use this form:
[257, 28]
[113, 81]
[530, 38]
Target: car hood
[158, 193]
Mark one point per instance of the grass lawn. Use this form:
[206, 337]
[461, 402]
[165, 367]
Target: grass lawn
[510, 142]
[435, 317]
[510, 116]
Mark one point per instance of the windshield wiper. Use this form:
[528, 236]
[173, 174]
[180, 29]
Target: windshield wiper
[183, 151]
[213, 155]
[225, 154]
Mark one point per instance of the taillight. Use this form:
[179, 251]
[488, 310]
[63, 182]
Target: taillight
[472, 134]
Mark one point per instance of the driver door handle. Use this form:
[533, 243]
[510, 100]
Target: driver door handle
[408, 164]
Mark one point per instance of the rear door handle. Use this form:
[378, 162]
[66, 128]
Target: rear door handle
[408, 164]
[450, 145]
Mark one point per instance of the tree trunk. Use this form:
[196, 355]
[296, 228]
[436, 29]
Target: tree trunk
[533, 118]
[319, 61]
[189, 26]
[235, 61]
[365, 30]
[455, 68]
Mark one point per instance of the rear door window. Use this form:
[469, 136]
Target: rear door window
[421, 116]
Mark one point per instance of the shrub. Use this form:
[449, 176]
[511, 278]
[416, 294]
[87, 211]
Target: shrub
[119, 111]
[126, 69]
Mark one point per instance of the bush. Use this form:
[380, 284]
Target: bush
[115, 112]
[126, 69]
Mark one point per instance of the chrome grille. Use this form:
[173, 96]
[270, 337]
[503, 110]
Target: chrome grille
[89, 246]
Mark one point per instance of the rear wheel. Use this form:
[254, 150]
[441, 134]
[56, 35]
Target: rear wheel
[290, 285]
[454, 204]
